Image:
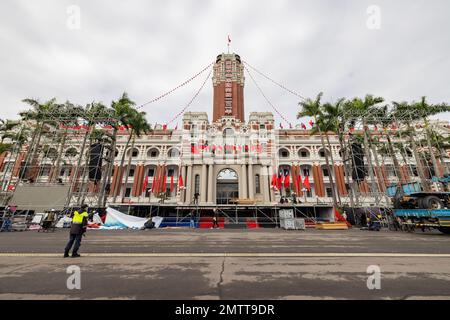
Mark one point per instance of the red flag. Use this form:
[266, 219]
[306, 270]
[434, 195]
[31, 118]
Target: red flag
[172, 186]
[306, 183]
[311, 123]
[299, 181]
[144, 187]
[180, 182]
[303, 126]
[287, 182]
[281, 126]
[274, 181]
[279, 181]
[165, 127]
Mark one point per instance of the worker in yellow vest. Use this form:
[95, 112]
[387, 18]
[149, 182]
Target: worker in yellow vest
[78, 228]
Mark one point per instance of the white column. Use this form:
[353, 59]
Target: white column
[251, 180]
[265, 183]
[203, 185]
[183, 192]
[211, 183]
[271, 192]
[244, 181]
[189, 185]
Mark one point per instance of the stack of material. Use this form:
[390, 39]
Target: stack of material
[19, 224]
[287, 221]
[332, 226]
[300, 224]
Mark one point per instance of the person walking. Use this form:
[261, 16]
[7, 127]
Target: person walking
[78, 228]
[215, 220]
[192, 220]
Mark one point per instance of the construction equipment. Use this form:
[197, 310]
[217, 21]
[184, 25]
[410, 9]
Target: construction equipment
[422, 209]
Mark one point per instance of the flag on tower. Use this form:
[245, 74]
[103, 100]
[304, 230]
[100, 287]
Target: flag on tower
[229, 39]
[311, 123]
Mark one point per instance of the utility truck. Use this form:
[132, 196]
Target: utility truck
[419, 209]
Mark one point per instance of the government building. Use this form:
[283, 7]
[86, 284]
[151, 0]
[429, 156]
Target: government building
[222, 161]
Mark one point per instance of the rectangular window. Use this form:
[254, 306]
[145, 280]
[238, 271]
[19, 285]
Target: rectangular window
[131, 173]
[197, 184]
[306, 172]
[127, 192]
[329, 192]
[326, 173]
[170, 172]
[257, 184]
[151, 172]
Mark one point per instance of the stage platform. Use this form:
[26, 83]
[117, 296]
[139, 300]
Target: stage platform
[229, 215]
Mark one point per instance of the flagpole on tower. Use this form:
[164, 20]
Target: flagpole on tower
[229, 41]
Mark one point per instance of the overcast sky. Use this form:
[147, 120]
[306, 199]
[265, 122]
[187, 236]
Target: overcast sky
[147, 47]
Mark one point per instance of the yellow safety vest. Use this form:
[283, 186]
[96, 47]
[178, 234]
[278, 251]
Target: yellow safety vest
[78, 217]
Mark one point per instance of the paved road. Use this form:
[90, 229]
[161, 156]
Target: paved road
[262, 240]
[146, 265]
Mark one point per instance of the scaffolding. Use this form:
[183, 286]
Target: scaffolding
[59, 152]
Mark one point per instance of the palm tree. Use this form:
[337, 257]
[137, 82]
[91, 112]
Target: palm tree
[403, 112]
[39, 114]
[123, 112]
[313, 108]
[362, 108]
[90, 115]
[139, 125]
[386, 120]
[6, 126]
[442, 144]
[334, 115]
[69, 116]
[18, 139]
[423, 110]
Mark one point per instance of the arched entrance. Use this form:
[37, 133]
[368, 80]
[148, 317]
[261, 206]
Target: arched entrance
[227, 186]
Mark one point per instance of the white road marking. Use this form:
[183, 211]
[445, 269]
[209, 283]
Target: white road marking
[232, 255]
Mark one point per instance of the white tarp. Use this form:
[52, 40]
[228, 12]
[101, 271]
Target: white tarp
[64, 222]
[157, 221]
[117, 219]
[96, 219]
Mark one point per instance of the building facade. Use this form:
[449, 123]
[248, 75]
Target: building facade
[224, 160]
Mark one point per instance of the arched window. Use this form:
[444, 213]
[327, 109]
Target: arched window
[173, 153]
[134, 153]
[71, 153]
[228, 133]
[283, 153]
[153, 153]
[322, 153]
[304, 153]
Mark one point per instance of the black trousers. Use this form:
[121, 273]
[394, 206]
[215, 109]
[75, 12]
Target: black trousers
[74, 238]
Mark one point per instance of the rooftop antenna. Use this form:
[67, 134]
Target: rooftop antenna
[229, 41]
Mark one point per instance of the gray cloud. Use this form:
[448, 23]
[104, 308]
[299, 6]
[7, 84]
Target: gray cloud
[147, 47]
